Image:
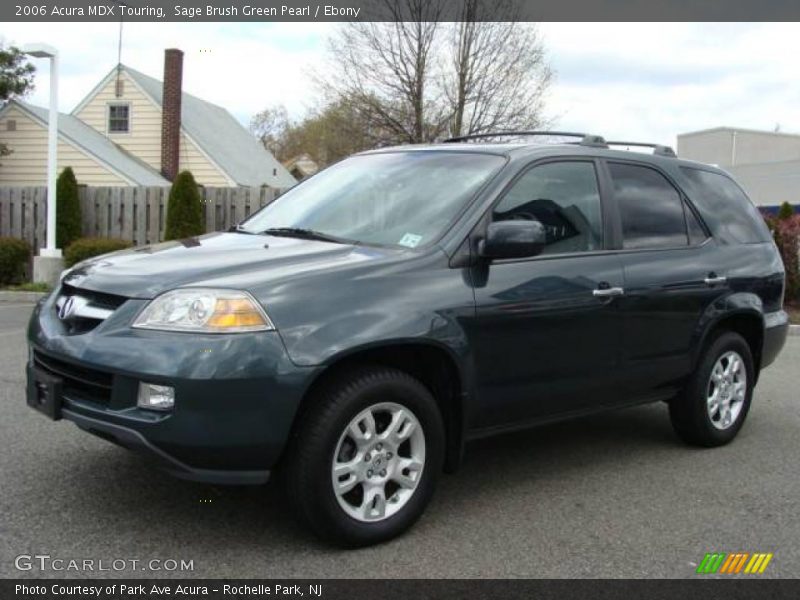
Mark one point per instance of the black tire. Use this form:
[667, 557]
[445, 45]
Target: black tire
[689, 411]
[307, 469]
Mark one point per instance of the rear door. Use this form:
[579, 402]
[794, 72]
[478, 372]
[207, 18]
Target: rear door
[670, 272]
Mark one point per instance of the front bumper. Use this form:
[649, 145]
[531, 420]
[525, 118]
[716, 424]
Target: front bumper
[137, 442]
[235, 395]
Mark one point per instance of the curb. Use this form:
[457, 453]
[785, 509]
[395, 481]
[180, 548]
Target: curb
[9, 296]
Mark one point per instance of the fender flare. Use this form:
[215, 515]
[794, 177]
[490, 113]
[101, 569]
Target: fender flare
[738, 304]
[456, 418]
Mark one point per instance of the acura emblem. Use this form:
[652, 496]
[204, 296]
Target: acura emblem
[69, 306]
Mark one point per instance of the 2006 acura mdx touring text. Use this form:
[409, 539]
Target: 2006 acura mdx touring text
[352, 336]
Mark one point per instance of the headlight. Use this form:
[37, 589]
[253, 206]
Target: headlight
[204, 310]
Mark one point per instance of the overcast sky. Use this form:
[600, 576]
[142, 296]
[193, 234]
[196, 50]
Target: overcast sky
[637, 81]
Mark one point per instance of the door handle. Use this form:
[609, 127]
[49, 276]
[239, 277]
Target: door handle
[608, 292]
[714, 279]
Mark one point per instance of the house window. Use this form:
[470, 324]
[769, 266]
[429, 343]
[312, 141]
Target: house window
[119, 118]
[11, 125]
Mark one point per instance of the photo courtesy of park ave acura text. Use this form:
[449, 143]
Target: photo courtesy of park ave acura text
[375, 297]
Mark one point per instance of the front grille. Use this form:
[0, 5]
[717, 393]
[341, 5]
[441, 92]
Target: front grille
[98, 304]
[100, 299]
[82, 382]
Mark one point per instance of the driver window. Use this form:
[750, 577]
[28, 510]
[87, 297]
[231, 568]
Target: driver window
[564, 197]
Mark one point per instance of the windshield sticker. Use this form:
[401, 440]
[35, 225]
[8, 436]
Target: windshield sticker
[410, 240]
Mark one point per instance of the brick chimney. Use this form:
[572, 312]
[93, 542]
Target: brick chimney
[171, 112]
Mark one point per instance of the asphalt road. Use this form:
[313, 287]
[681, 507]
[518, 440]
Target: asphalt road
[609, 496]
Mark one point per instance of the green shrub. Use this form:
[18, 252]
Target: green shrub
[84, 248]
[786, 233]
[184, 210]
[785, 212]
[68, 209]
[14, 257]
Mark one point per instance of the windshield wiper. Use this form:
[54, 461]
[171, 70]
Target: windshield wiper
[306, 234]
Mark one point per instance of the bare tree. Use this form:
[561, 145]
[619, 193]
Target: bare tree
[326, 133]
[416, 79]
[270, 127]
[497, 73]
[387, 68]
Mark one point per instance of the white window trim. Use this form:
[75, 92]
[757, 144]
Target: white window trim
[108, 118]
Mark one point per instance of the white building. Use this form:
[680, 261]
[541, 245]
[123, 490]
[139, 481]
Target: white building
[765, 163]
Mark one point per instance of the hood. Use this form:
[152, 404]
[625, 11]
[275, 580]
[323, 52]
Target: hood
[241, 260]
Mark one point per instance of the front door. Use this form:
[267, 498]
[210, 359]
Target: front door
[546, 336]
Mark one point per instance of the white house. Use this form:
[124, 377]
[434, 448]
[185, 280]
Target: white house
[132, 129]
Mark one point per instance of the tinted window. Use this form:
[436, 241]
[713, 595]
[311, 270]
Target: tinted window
[697, 235]
[564, 197]
[650, 207]
[724, 206]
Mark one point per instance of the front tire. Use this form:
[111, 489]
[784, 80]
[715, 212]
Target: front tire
[366, 457]
[713, 406]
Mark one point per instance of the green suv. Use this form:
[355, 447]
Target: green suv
[351, 337]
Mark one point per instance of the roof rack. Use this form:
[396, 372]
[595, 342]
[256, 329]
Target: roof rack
[595, 141]
[586, 139]
[658, 149]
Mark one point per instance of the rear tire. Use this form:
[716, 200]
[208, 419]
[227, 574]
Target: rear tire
[365, 460]
[714, 404]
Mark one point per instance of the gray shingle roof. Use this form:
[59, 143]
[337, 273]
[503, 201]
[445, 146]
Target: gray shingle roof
[222, 138]
[97, 145]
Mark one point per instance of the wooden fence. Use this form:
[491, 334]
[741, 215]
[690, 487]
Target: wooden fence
[137, 214]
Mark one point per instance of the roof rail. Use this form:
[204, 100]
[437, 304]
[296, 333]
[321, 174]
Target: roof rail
[586, 139]
[658, 149]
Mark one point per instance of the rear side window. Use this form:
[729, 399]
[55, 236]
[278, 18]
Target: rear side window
[725, 207]
[650, 207]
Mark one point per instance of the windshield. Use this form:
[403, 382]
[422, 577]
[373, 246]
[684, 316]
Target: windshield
[395, 198]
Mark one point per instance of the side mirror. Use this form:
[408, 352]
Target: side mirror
[513, 239]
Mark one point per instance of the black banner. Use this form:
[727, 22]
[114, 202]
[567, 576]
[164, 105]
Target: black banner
[393, 10]
[403, 589]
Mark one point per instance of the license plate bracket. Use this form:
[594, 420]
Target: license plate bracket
[44, 393]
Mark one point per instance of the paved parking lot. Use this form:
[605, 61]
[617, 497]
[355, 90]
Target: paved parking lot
[609, 496]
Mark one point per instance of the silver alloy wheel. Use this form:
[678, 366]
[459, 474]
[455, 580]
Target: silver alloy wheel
[727, 389]
[378, 462]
